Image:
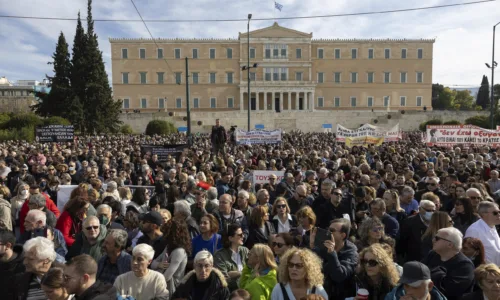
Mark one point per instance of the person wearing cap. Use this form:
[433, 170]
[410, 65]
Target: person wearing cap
[201, 206]
[150, 226]
[451, 271]
[415, 284]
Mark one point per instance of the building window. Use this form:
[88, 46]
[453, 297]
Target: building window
[161, 102]
[143, 77]
[419, 100]
[195, 78]
[229, 53]
[230, 77]
[178, 103]
[126, 103]
[283, 52]
[354, 77]
[125, 78]
[402, 100]
[320, 77]
[196, 102]
[420, 77]
[298, 76]
[160, 53]
[370, 101]
[403, 77]
[268, 53]
[124, 53]
[370, 77]
[212, 53]
[276, 74]
[337, 101]
[252, 52]
[403, 53]
[268, 74]
[142, 53]
[337, 77]
[252, 76]
[320, 53]
[178, 77]
[195, 53]
[144, 103]
[276, 52]
[420, 53]
[387, 101]
[387, 53]
[354, 53]
[230, 102]
[177, 53]
[212, 77]
[161, 77]
[298, 53]
[337, 53]
[213, 102]
[284, 72]
[321, 102]
[353, 101]
[370, 53]
[387, 77]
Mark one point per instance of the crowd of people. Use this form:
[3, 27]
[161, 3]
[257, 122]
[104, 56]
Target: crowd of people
[398, 221]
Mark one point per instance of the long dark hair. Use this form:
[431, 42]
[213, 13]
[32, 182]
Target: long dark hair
[468, 216]
[229, 232]
[139, 196]
[176, 235]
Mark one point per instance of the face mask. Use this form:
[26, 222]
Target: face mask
[71, 168]
[43, 184]
[103, 219]
[24, 193]
[428, 215]
[240, 181]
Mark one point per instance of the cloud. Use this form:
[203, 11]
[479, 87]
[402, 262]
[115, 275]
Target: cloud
[463, 34]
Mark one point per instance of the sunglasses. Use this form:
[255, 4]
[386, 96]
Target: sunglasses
[239, 235]
[495, 213]
[369, 262]
[280, 206]
[431, 184]
[438, 238]
[92, 227]
[279, 245]
[301, 196]
[295, 266]
[377, 229]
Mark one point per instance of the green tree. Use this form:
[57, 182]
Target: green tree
[481, 121]
[160, 127]
[496, 93]
[442, 98]
[464, 99]
[483, 95]
[78, 74]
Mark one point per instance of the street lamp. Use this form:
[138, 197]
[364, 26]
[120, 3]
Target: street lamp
[248, 67]
[492, 67]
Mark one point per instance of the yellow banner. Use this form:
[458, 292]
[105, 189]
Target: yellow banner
[363, 141]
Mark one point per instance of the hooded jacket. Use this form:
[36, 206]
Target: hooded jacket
[9, 270]
[217, 289]
[399, 292]
[259, 287]
[99, 291]
[5, 215]
[82, 246]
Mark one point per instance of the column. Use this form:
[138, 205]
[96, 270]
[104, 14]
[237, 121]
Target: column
[257, 101]
[272, 102]
[281, 101]
[313, 102]
[289, 100]
[241, 100]
[265, 101]
[297, 96]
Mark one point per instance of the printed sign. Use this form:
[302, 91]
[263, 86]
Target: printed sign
[164, 151]
[450, 135]
[368, 131]
[263, 176]
[258, 137]
[363, 141]
[54, 133]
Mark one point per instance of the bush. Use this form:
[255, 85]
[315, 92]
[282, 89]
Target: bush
[452, 122]
[4, 118]
[23, 134]
[160, 127]
[126, 129]
[56, 121]
[423, 126]
[20, 121]
[480, 121]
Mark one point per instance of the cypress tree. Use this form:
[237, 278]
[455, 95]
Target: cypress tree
[78, 74]
[483, 95]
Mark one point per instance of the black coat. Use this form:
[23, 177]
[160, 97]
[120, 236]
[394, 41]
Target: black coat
[9, 270]
[477, 295]
[293, 223]
[410, 238]
[328, 212]
[217, 289]
[256, 236]
[99, 291]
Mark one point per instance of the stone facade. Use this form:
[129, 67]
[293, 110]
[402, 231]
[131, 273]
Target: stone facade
[295, 73]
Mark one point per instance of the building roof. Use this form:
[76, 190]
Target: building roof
[5, 81]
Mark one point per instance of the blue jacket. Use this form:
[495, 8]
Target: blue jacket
[123, 263]
[391, 226]
[399, 291]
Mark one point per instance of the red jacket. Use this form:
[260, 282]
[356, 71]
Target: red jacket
[65, 226]
[25, 209]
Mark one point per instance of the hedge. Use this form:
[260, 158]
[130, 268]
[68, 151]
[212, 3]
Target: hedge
[126, 129]
[452, 122]
[481, 121]
[423, 126]
[160, 127]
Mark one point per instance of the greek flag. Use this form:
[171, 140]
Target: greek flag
[278, 6]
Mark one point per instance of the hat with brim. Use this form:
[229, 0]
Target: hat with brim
[414, 271]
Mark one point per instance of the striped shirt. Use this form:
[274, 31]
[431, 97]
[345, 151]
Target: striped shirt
[35, 291]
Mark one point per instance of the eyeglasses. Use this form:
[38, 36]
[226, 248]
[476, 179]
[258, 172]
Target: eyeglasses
[474, 198]
[295, 266]
[315, 185]
[279, 245]
[92, 227]
[429, 210]
[201, 266]
[239, 235]
[377, 229]
[369, 262]
[432, 184]
[438, 238]
[280, 206]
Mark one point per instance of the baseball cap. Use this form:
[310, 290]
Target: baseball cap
[153, 217]
[414, 271]
[309, 173]
[25, 167]
[202, 186]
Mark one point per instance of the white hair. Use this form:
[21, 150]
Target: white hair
[202, 175]
[36, 215]
[144, 250]
[204, 255]
[88, 219]
[473, 190]
[212, 193]
[427, 203]
[182, 206]
[419, 284]
[244, 194]
[43, 248]
[104, 206]
[453, 235]
[407, 190]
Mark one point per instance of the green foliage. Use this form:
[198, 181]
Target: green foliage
[463, 99]
[56, 121]
[481, 121]
[160, 127]
[20, 121]
[423, 126]
[4, 118]
[126, 129]
[452, 122]
[442, 98]
[483, 95]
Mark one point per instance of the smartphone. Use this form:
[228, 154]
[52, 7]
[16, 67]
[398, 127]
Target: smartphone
[321, 236]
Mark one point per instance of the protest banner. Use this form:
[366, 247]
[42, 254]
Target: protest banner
[363, 141]
[54, 133]
[450, 135]
[254, 137]
[374, 133]
[164, 151]
[263, 176]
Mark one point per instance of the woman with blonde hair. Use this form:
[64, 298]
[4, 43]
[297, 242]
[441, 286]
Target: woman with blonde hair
[439, 220]
[488, 279]
[371, 231]
[299, 275]
[125, 197]
[260, 229]
[376, 272]
[393, 206]
[282, 221]
[259, 274]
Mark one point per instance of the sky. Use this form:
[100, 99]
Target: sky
[463, 34]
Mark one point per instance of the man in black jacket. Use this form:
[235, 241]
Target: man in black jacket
[323, 198]
[218, 138]
[11, 260]
[80, 280]
[451, 271]
[335, 208]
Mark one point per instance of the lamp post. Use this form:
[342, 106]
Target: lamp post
[248, 67]
[492, 67]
